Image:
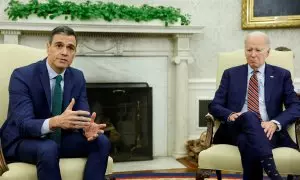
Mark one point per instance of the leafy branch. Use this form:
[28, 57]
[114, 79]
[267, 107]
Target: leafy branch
[99, 10]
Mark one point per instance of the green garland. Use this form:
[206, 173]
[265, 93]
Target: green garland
[99, 10]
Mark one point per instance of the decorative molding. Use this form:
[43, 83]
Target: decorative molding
[100, 28]
[182, 51]
[183, 36]
[10, 32]
[97, 34]
[115, 48]
[179, 59]
[11, 36]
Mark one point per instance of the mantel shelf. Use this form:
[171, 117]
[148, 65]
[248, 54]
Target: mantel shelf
[107, 27]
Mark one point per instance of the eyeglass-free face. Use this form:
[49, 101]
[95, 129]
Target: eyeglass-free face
[256, 51]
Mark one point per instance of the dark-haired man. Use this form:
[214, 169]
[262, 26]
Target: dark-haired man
[48, 115]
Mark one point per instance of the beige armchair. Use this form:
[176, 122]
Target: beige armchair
[227, 157]
[11, 57]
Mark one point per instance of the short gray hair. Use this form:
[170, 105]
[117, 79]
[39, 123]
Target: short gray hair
[258, 33]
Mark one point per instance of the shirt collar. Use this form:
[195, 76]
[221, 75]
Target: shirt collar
[261, 69]
[52, 73]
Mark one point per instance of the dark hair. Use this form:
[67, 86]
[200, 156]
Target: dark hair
[66, 30]
[282, 48]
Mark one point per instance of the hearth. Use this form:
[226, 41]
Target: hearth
[126, 108]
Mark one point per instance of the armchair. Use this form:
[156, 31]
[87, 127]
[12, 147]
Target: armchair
[227, 157]
[13, 56]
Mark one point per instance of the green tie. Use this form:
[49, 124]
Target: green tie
[57, 107]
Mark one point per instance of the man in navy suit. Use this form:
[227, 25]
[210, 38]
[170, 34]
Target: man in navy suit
[28, 133]
[256, 125]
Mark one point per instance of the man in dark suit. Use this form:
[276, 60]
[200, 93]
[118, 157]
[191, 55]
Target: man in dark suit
[48, 115]
[249, 103]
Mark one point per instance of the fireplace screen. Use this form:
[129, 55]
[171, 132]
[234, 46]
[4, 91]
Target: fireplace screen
[126, 109]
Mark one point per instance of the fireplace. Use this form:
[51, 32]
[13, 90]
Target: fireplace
[126, 109]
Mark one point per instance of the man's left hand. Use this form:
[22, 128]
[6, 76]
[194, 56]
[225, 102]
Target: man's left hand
[93, 130]
[269, 128]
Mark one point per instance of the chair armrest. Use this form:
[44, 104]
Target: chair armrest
[298, 132]
[3, 166]
[210, 122]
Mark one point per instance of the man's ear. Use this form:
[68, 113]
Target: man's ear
[268, 52]
[48, 46]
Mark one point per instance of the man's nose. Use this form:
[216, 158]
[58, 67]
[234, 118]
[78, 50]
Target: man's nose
[253, 53]
[64, 51]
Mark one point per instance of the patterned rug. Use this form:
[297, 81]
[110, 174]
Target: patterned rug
[170, 176]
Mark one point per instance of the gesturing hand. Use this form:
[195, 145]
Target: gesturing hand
[70, 119]
[92, 131]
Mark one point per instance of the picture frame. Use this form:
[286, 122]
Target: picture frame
[265, 14]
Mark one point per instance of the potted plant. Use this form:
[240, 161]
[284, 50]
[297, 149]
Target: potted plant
[88, 10]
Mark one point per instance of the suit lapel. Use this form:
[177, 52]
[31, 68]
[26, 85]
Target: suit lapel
[243, 83]
[44, 78]
[68, 85]
[269, 82]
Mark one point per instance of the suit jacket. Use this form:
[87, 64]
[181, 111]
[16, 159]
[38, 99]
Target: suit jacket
[279, 90]
[30, 101]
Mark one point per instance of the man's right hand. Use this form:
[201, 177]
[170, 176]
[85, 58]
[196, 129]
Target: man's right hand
[70, 119]
[234, 116]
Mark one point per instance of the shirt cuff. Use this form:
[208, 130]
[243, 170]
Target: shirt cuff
[45, 127]
[278, 125]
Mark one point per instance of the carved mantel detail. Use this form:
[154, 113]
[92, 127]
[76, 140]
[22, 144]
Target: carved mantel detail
[114, 47]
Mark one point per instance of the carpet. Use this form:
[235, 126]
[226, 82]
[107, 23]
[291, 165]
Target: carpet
[170, 176]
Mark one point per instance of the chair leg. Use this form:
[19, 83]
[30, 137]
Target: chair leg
[110, 177]
[202, 173]
[290, 177]
[219, 174]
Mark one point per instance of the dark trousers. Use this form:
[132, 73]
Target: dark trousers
[45, 154]
[246, 133]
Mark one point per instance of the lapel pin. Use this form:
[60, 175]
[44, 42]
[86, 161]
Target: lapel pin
[271, 76]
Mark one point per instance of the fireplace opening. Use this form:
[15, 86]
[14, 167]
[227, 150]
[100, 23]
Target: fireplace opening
[126, 109]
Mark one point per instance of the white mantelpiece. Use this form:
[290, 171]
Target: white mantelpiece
[101, 27]
[121, 37]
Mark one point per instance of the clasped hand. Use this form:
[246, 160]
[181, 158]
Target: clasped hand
[70, 119]
[268, 126]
